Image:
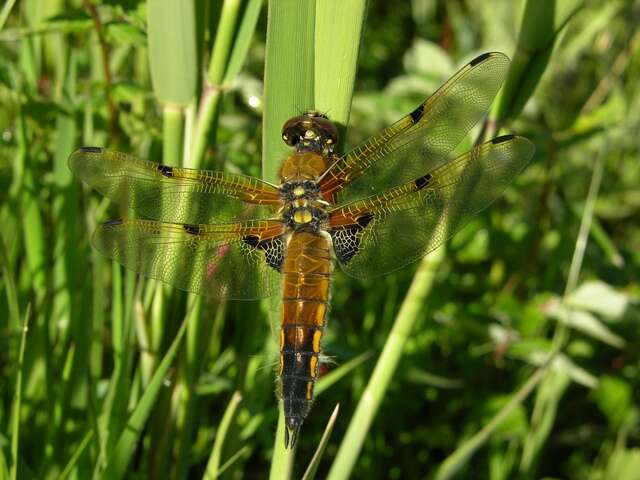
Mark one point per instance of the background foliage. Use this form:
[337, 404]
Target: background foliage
[523, 359]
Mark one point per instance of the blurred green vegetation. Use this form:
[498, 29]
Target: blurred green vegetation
[104, 381]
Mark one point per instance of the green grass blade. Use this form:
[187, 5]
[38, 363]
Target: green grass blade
[73, 461]
[17, 400]
[458, 459]
[378, 384]
[312, 469]
[6, 10]
[547, 401]
[172, 50]
[125, 447]
[542, 23]
[213, 465]
[172, 135]
[548, 396]
[10, 286]
[288, 75]
[242, 41]
[326, 381]
[222, 43]
[243, 452]
[339, 28]
[213, 88]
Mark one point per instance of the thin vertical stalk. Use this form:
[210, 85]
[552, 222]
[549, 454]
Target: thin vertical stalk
[213, 89]
[539, 430]
[367, 408]
[6, 10]
[213, 465]
[17, 402]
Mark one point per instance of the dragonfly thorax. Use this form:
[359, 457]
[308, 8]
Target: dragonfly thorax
[302, 214]
[300, 189]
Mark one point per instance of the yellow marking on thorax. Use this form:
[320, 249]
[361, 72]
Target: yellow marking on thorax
[302, 216]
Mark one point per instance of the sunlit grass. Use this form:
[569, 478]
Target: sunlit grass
[438, 369]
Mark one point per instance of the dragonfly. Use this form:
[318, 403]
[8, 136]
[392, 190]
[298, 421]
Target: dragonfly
[382, 205]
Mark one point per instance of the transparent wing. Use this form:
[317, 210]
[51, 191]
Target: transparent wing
[384, 232]
[422, 139]
[174, 194]
[236, 260]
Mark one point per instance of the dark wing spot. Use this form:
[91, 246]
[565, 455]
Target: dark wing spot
[192, 229]
[273, 249]
[112, 223]
[91, 149]
[503, 138]
[346, 241]
[363, 220]
[251, 240]
[165, 170]
[479, 59]
[422, 181]
[417, 114]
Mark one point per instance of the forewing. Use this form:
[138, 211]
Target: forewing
[235, 261]
[423, 139]
[384, 232]
[172, 194]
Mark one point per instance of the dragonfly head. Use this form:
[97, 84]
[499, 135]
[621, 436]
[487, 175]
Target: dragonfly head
[310, 132]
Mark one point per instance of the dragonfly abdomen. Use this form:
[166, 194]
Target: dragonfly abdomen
[307, 274]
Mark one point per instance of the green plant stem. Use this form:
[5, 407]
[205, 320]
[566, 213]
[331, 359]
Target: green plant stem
[17, 402]
[310, 473]
[213, 89]
[6, 10]
[454, 462]
[373, 394]
[339, 27]
[288, 75]
[172, 133]
[213, 466]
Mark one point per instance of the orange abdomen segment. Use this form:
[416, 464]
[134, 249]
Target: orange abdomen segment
[307, 274]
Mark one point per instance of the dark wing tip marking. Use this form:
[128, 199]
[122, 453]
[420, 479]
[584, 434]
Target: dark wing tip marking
[479, 59]
[502, 138]
[273, 249]
[165, 170]
[113, 223]
[418, 113]
[364, 220]
[346, 241]
[422, 181]
[251, 240]
[191, 228]
[90, 149]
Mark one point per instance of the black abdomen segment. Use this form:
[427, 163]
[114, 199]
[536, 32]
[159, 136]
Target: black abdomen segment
[299, 371]
[306, 270]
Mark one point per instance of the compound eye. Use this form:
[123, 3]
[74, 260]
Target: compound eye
[290, 139]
